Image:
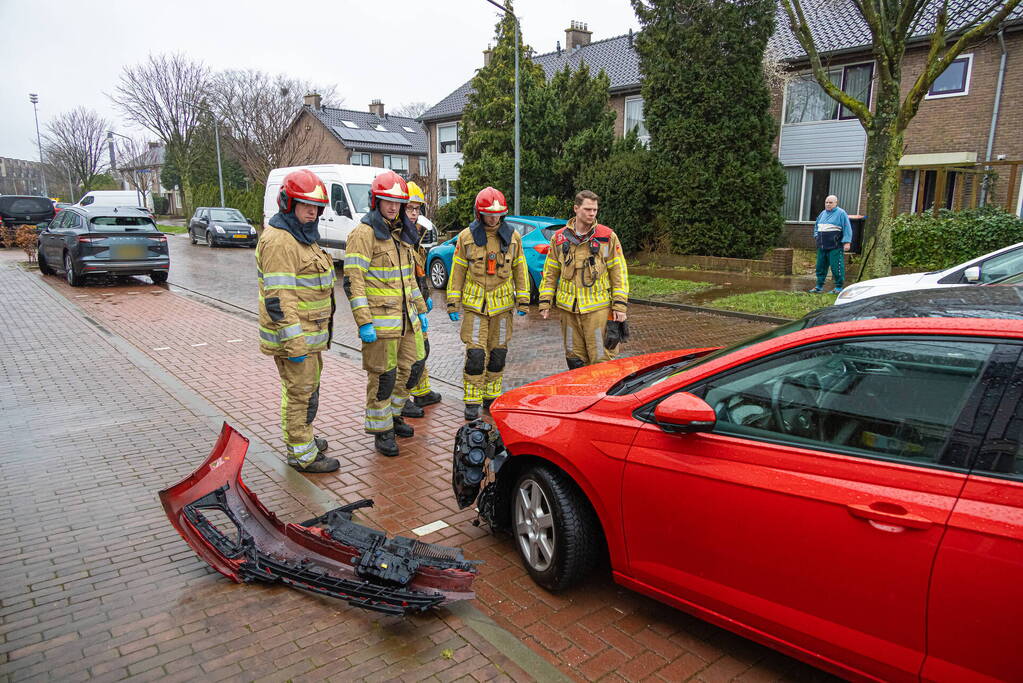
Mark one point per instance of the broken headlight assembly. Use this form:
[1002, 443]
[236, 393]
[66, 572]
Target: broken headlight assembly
[331, 555]
[478, 455]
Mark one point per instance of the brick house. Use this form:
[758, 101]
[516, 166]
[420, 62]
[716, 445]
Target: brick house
[822, 148]
[325, 135]
[616, 56]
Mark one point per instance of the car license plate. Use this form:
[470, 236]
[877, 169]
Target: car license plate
[239, 237]
[129, 251]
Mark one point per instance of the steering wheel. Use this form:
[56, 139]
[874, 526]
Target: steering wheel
[790, 408]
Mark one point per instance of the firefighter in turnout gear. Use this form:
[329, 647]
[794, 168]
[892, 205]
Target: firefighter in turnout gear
[422, 393]
[296, 309]
[585, 275]
[488, 279]
[388, 307]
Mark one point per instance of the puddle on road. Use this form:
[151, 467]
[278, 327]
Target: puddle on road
[725, 284]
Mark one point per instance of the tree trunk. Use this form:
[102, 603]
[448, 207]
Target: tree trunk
[884, 150]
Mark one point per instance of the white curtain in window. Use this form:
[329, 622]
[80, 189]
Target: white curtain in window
[806, 101]
[634, 118]
[857, 84]
[793, 190]
[845, 184]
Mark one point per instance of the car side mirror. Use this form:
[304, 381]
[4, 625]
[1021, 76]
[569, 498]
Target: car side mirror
[972, 274]
[341, 209]
[542, 248]
[684, 412]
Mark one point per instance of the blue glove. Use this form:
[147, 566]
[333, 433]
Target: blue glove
[522, 312]
[429, 305]
[297, 359]
[367, 333]
[424, 322]
[455, 316]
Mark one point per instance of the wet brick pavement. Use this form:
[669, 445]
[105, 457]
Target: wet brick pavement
[597, 631]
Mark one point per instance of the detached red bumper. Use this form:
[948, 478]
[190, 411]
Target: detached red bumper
[228, 527]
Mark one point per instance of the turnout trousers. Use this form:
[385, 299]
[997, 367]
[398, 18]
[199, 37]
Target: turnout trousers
[392, 367]
[423, 388]
[300, 397]
[486, 340]
[583, 334]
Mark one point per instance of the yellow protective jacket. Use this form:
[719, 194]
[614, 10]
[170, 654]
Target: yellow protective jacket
[380, 274]
[488, 271]
[586, 272]
[296, 295]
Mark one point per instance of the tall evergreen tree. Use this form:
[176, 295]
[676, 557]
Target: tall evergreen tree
[719, 184]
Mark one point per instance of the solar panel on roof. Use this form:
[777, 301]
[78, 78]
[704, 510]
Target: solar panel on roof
[372, 136]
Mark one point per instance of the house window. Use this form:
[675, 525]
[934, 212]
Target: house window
[634, 119]
[806, 101]
[954, 81]
[447, 138]
[379, 128]
[397, 163]
[424, 166]
[447, 192]
[360, 159]
[349, 124]
[927, 187]
[807, 188]
[408, 130]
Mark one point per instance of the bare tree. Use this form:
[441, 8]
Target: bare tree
[136, 164]
[952, 27]
[412, 110]
[161, 95]
[262, 113]
[74, 141]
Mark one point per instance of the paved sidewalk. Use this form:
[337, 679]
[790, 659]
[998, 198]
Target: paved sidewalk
[598, 631]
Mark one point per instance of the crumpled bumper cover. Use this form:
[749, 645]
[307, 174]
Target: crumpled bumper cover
[330, 554]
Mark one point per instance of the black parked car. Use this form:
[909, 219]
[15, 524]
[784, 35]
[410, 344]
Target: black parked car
[218, 226]
[18, 210]
[115, 240]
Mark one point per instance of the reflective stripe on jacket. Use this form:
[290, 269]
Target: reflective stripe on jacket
[380, 282]
[585, 273]
[296, 295]
[472, 284]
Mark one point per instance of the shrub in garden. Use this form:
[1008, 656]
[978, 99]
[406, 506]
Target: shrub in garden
[928, 242]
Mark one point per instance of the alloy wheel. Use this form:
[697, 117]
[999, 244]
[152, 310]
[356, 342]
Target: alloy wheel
[438, 274]
[534, 525]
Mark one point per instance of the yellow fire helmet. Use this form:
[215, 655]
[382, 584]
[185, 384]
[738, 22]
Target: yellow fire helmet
[415, 194]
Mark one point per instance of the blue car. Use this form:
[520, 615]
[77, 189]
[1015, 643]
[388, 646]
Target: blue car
[534, 230]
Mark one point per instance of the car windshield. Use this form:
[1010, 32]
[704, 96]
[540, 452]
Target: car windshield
[122, 223]
[360, 196]
[227, 215]
[16, 205]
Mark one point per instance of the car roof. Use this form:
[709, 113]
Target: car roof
[967, 301]
[540, 221]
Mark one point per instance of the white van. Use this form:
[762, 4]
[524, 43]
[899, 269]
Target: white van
[115, 198]
[348, 189]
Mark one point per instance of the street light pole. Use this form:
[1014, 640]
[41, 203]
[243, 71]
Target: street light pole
[34, 99]
[216, 138]
[517, 146]
[134, 174]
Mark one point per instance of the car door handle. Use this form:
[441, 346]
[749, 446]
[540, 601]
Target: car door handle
[889, 513]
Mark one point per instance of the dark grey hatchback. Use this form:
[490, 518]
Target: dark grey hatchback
[220, 226]
[83, 241]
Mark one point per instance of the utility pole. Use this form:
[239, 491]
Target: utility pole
[34, 99]
[216, 137]
[517, 146]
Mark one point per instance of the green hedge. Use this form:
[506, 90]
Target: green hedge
[249, 202]
[928, 242]
[622, 181]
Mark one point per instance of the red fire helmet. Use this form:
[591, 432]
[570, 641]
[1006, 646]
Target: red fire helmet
[490, 201]
[302, 186]
[388, 185]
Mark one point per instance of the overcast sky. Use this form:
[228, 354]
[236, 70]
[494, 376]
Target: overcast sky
[72, 52]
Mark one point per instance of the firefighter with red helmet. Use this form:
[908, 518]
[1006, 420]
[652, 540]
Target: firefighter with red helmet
[488, 279]
[380, 282]
[296, 307]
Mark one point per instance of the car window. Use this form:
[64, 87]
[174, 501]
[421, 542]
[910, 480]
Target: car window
[122, 223]
[549, 231]
[360, 196]
[522, 228]
[227, 215]
[892, 399]
[87, 200]
[25, 205]
[338, 201]
[1001, 266]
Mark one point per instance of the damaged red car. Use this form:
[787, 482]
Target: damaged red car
[847, 488]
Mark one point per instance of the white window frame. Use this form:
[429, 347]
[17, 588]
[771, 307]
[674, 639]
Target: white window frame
[349, 124]
[645, 139]
[361, 155]
[966, 91]
[446, 125]
[388, 162]
[1019, 200]
[870, 98]
[826, 167]
[379, 127]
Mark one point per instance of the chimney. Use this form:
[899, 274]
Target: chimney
[312, 100]
[488, 54]
[576, 35]
[377, 107]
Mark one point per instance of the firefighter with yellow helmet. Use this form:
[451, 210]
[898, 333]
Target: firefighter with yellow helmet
[488, 279]
[296, 307]
[379, 280]
[422, 394]
[585, 275]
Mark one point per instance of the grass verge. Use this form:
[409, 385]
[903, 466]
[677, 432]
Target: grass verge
[646, 287]
[175, 229]
[781, 304]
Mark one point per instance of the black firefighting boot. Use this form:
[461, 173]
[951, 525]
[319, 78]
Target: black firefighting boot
[410, 409]
[486, 404]
[427, 399]
[402, 428]
[321, 465]
[472, 411]
[384, 443]
[321, 444]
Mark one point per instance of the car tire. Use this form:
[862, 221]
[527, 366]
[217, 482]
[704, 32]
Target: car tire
[191, 237]
[555, 529]
[210, 242]
[44, 267]
[438, 274]
[158, 277]
[73, 278]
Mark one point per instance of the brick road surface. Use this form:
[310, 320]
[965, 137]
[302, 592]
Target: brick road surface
[597, 631]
